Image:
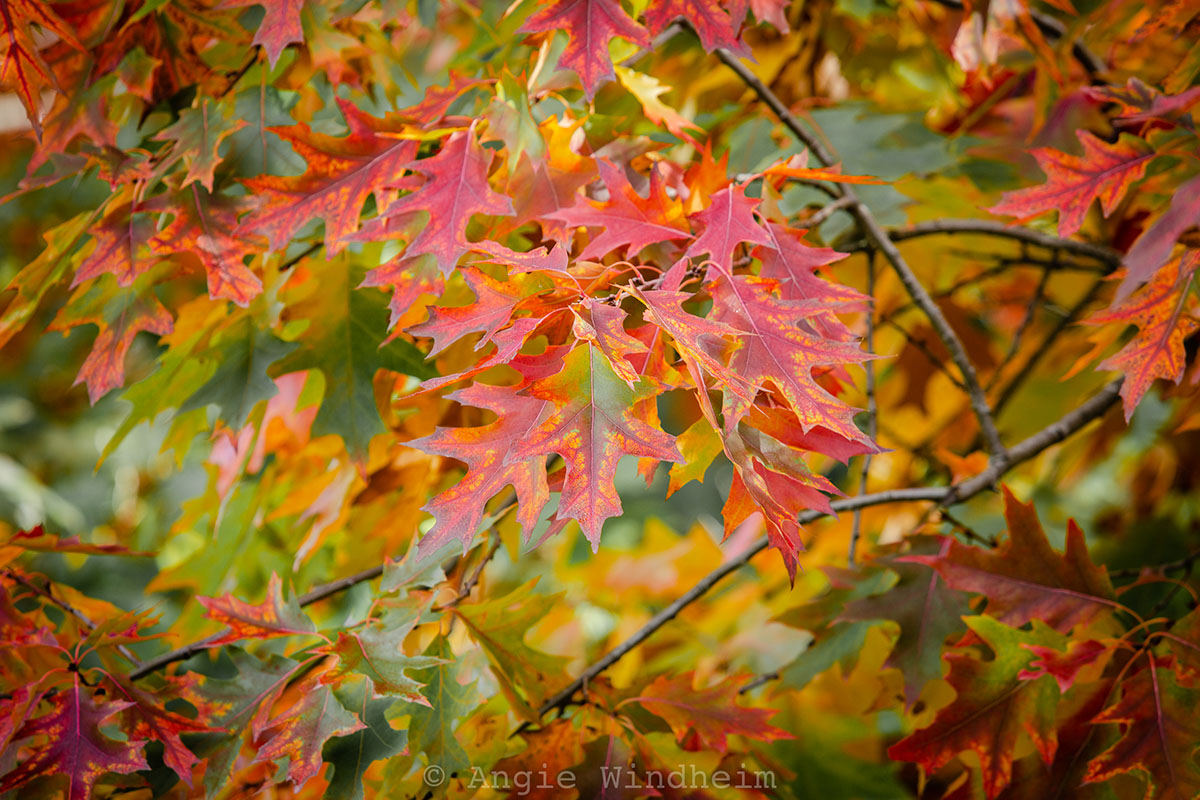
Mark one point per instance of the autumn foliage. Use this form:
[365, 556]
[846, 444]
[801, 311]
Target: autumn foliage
[599, 398]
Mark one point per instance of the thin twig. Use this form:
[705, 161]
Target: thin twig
[987, 227]
[880, 239]
[827, 211]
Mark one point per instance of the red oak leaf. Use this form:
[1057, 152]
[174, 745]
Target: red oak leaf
[1104, 171]
[299, 732]
[992, 708]
[147, 718]
[793, 263]
[728, 221]
[1161, 732]
[39, 540]
[591, 418]
[197, 136]
[539, 260]
[494, 304]
[772, 11]
[1159, 309]
[780, 423]
[700, 340]
[712, 23]
[280, 25]
[712, 713]
[118, 239]
[73, 745]
[772, 478]
[780, 348]
[1154, 246]
[1026, 579]
[628, 219]
[271, 618]
[459, 510]
[202, 228]
[590, 25]
[456, 190]
[1140, 102]
[603, 326]
[342, 173]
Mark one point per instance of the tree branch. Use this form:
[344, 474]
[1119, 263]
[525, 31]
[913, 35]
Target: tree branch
[988, 227]
[879, 239]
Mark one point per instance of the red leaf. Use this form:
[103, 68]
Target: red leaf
[494, 304]
[711, 713]
[591, 418]
[1063, 666]
[280, 25]
[712, 23]
[273, 617]
[992, 707]
[117, 238]
[342, 173]
[1158, 310]
[146, 717]
[299, 732]
[1026, 579]
[457, 190]
[38, 539]
[1105, 171]
[202, 228]
[22, 67]
[458, 511]
[119, 321]
[590, 25]
[728, 221]
[781, 349]
[73, 744]
[629, 220]
[1161, 732]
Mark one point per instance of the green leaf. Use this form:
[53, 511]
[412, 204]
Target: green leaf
[431, 727]
[351, 755]
[499, 626]
[344, 340]
[376, 651]
[241, 380]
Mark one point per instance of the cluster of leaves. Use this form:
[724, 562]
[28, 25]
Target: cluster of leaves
[394, 288]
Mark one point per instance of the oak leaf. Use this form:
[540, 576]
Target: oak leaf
[73, 745]
[591, 418]
[590, 25]
[1025, 579]
[1104, 171]
[1160, 311]
[1160, 735]
[712, 712]
[993, 706]
[274, 617]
